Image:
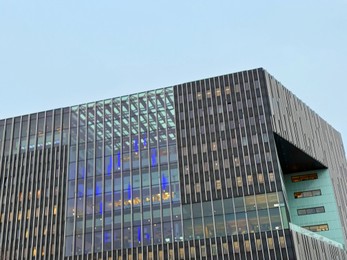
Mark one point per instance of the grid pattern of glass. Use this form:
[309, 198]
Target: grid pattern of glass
[33, 160]
[123, 187]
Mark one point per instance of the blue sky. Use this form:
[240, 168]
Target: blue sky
[62, 53]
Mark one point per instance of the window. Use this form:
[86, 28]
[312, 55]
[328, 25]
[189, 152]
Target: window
[214, 249]
[250, 179]
[181, 253]
[239, 181]
[202, 251]
[225, 248]
[236, 247]
[247, 246]
[228, 181]
[197, 187]
[306, 194]
[282, 242]
[271, 176]
[308, 211]
[192, 251]
[270, 242]
[218, 185]
[260, 178]
[306, 177]
[218, 92]
[317, 228]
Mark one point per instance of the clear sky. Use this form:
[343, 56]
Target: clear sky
[67, 52]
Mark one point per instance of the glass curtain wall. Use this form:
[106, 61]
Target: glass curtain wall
[123, 187]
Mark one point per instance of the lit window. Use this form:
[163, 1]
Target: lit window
[239, 181]
[270, 242]
[217, 92]
[34, 251]
[214, 146]
[306, 194]
[247, 246]
[282, 242]
[260, 178]
[55, 210]
[250, 179]
[218, 185]
[317, 228]
[187, 189]
[227, 90]
[271, 176]
[306, 177]
[237, 161]
[182, 253]
[192, 251]
[258, 244]
[197, 187]
[236, 247]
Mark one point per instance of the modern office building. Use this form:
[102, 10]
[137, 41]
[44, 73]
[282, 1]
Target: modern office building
[230, 167]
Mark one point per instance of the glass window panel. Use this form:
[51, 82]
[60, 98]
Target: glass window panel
[98, 241]
[209, 229]
[88, 243]
[220, 228]
[127, 237]
[117, 239]
[68, 245]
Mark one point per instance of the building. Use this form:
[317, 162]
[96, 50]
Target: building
[230, 167]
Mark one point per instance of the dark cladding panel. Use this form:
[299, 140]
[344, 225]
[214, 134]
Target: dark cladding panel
[32, 194]
[298, 125]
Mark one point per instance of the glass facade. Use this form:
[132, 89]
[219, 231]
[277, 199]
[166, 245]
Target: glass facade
[123, 180]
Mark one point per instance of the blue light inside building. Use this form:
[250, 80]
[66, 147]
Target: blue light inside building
[154, 156]
[100, 207]
[109, 166]
[148, 237]
[118, 159]
[107, 237]
[164, 182]
[136, 145]
[144, 140]
[97, 190]
[82, 172]
[139, 234]
[80, 190]
[129, 191]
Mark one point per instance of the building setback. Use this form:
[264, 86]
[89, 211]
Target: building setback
[230, 167]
